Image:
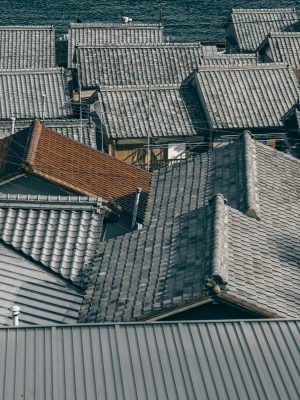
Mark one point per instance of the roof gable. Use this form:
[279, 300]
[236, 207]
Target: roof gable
[192, 249]
[60, 232]
[251, 26]
[248, 96]
[167, 63]
[76, 167]
[132, 112]
[111, 33]
[284, 47]
[28, 94]
[27, 47]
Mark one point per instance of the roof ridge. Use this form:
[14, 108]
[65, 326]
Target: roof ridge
[35, 133]
[137, 45]
[113, 25]
[50, 202]
[219, 240]
[252, 200]
[244, 66]
[262, 10]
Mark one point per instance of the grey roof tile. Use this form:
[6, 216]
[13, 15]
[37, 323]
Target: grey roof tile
[44, 298]
[155, 64]
[23, 47]
[111, 33]
[60, 232]
[248, 96]
[220, 59]
[22, 94]
[124, 111]
[251, 26]
[283, 47]
[83, 131]
[250, 242]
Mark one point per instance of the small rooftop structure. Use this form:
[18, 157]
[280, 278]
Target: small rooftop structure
[132, 111]
[247, 28]
[34, 93]
[80, 169]
[121, 65]
[90, 33]
[186, 361]
[281, 47]
[27, 47]
[222, 226]
[247, 96]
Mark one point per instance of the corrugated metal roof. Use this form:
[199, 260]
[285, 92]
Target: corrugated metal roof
[43, 296]
[167, 63]
[27, 47]
[111, 33]
[83, 131]
[22, 94]
[171, 361]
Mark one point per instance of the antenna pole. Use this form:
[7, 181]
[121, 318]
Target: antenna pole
[44, 106]
[148, 130]
[80, 115]
[161, 17]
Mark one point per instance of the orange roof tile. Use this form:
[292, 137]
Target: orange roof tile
[87, 171]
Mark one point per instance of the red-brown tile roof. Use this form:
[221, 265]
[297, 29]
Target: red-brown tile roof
[87, 171]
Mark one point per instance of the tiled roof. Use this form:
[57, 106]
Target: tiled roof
[60, 232]
[228, 59]
[191, 234]
[27, 47]
[83, 131]
[168, 63]
[23, 94]
[250, 359]
[284, 47]
[174, 111]
[74, 166]
[251, 26]
[43, 297]
[109, 33]
[248, 96]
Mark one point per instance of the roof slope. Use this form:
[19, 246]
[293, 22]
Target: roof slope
[228, 59]
[155, 64]
[27, 94]
[251, 26]
[24, 47]
[248, 96]
[111, 33]
[191, 236]
[125, 112]
[84, 131]
[187, 361]
[74, 166]
[284, 47]
[43, 297]
[60, 232]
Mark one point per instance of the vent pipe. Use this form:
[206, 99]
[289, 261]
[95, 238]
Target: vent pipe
[15, 310]
[44, 105]
[13, 120]
[136, 206]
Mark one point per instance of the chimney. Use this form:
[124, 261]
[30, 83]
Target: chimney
[15, 310]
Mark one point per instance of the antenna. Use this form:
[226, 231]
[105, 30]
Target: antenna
[148, 129]
[161, 17]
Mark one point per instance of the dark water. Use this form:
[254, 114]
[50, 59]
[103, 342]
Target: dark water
[189, 20]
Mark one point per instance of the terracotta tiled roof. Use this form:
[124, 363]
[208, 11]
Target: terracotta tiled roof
[80, 168]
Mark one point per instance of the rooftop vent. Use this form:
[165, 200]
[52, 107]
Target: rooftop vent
[126, 20]
[15, 310]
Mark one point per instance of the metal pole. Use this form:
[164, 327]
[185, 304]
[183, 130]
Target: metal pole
[148, 130]
[44, 105]
[80, 115]
[13, 120]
